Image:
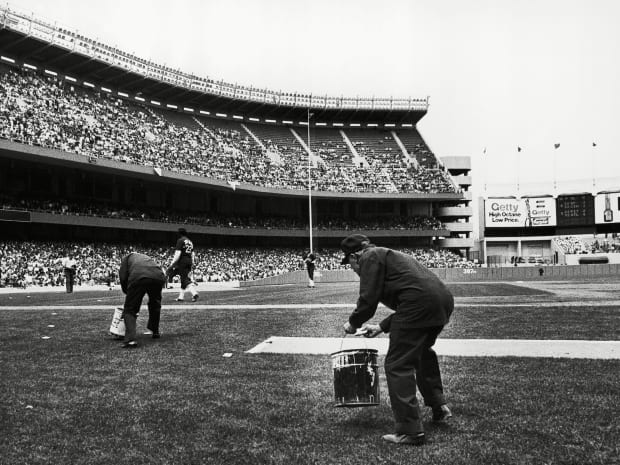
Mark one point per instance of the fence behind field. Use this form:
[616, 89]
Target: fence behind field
[525, 273]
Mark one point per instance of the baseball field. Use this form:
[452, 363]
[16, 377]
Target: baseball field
[203, 393]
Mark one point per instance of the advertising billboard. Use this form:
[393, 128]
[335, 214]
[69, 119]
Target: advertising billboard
[607, 208]
[530, 212]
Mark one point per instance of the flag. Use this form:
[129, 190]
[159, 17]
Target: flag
[557, 146]
[593, 144]
[484, 151]
[233, 184]
[518, 149]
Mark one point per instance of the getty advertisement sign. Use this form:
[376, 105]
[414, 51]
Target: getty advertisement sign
[519, 213]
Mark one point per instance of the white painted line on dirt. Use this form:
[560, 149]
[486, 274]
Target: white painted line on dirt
[450, 347]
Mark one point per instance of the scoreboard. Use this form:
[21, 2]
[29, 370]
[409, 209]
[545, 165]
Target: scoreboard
[575, 210]
[565, 211]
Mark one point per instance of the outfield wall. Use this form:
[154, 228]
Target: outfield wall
[552, 273]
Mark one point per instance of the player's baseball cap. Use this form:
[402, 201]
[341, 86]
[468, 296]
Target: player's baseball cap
[352, 244]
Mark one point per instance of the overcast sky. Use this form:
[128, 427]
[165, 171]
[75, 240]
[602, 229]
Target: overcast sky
[499, 74]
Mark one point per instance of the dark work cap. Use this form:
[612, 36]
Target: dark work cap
[352, 244]
[182, 231]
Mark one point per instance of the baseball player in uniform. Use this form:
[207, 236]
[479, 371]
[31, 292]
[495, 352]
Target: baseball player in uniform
[309, 261]
[182, 263]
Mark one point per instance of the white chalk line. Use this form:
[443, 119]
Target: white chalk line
[449, 347]
[179, 306]
[185, 306]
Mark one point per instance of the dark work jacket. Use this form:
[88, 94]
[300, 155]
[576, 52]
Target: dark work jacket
[137, 266]
[403, 284]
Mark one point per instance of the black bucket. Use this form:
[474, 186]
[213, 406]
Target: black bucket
[356, 378]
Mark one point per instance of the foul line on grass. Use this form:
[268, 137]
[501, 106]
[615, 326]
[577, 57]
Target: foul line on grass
[450, 347]
[185, 306]
[177, 306]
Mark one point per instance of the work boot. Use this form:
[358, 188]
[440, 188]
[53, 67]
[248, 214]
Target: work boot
[410, 439]
[441, 414]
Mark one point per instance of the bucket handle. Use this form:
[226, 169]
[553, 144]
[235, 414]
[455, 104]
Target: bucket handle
[345, 335]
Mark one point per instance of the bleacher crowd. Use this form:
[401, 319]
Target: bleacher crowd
[24, 264]
[48, 112]
[583, 245]
[106, 210]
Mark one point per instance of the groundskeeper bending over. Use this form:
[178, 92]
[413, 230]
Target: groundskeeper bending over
[422, 305]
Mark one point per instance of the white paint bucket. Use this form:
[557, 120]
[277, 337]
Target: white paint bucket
[118, 324]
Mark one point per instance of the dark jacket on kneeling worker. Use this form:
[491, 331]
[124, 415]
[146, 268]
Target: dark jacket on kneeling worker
[139, 274]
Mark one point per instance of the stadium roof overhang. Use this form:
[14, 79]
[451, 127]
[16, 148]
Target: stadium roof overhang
[27, 49]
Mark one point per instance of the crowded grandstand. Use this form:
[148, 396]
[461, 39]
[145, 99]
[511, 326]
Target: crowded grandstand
[101, 153]
[33, 263]
[47, 112]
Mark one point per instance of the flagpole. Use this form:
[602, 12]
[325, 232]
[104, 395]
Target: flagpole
[593, 167]
[555, 175]
[309, 183]
[518, 159]
[486, 170]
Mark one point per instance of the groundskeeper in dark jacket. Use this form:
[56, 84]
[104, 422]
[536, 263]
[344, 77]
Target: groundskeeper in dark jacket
[422, 305]
[140, 274]
[401, 283]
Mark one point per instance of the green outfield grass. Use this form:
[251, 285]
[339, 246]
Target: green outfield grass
[328, 293]
[77, 398]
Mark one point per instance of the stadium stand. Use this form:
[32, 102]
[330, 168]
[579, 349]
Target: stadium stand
[582, 245]
[417, 148]
[82, 144]
[330, 146]
[109, 210]
[36, 263]
[377, 147]
[40, 110]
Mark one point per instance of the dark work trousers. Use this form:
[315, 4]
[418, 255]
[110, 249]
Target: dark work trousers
[133, 301]
[411, 361]
[69, 279]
